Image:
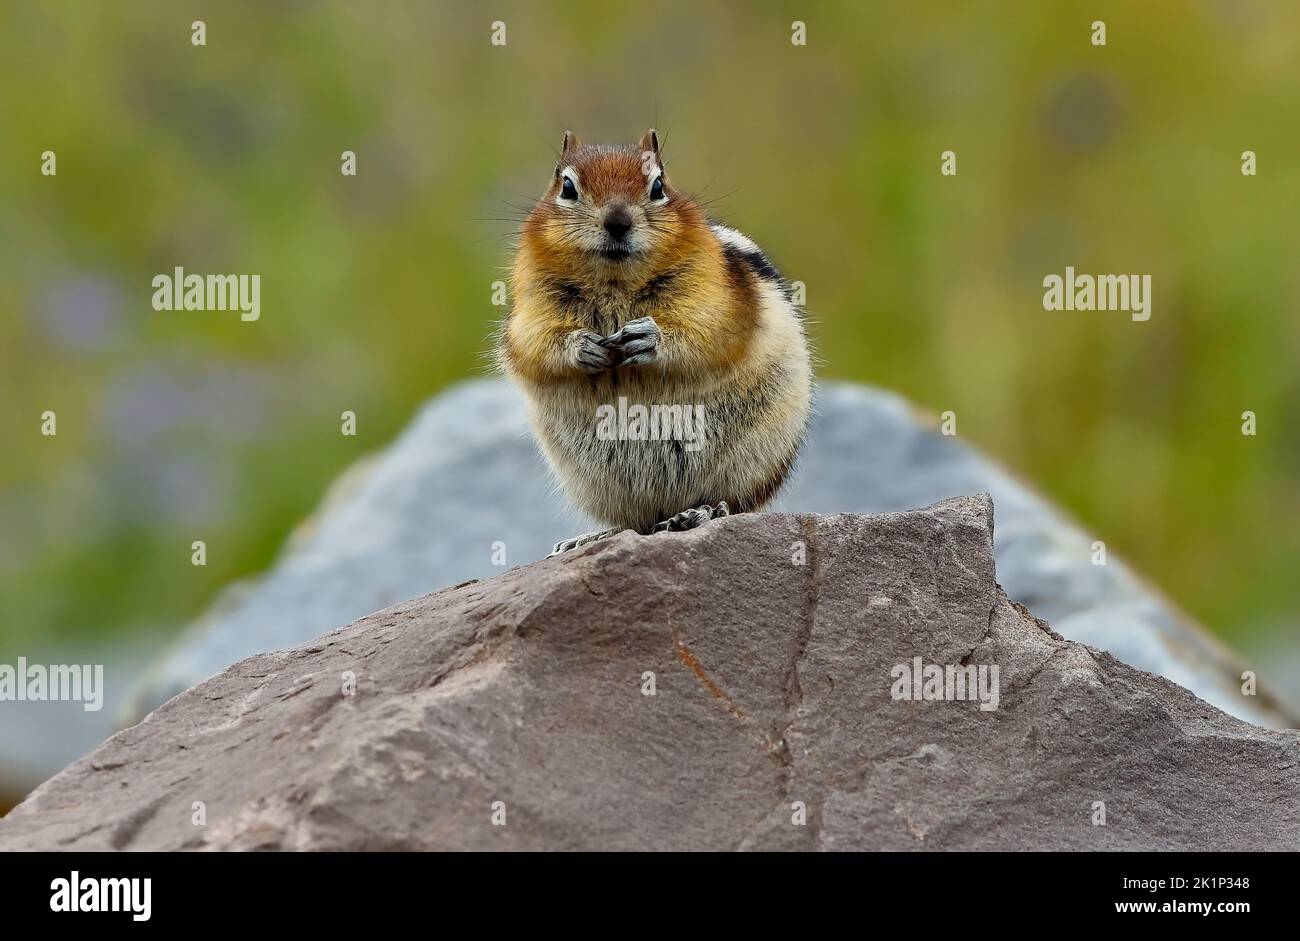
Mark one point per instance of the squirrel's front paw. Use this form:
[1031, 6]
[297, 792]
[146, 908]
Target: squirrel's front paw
[589, 352]
[636, 344]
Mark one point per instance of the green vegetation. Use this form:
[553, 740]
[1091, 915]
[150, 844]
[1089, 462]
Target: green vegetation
[176, 426]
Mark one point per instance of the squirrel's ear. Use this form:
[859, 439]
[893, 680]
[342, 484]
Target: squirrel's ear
[570, 144]
[650, 142]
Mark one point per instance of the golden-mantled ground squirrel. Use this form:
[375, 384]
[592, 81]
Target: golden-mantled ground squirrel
[665, 367]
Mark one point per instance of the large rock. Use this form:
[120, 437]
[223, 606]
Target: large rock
[772, 684]
[465, 482]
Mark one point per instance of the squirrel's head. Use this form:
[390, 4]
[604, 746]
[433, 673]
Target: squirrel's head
[611, 210]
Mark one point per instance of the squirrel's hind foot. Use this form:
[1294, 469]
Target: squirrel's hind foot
[691, 518]
[566, 544]
[687, 519]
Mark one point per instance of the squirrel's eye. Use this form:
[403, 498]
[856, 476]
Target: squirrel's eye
[657, 188]
[568, 190]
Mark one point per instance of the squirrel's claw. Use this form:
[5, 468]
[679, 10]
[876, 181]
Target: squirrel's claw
[636, 343]
[566, 544]
[592, 355]
[691, 518]
[686, 519]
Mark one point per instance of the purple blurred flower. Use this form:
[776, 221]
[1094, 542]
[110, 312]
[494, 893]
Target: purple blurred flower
[230, 403]
[82, 312]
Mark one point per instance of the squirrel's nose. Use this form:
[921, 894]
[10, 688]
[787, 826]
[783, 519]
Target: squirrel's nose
[618, 221]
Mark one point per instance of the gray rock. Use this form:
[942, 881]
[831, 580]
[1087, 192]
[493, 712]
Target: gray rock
[465, 477]
[773, 697]
[39, 737]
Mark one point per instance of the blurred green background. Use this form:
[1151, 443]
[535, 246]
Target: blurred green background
[376, 289]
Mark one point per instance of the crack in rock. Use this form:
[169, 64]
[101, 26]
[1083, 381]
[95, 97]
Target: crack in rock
[523, 690]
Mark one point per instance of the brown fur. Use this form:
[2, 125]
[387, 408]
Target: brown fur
[710, 307]
[730, 343]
